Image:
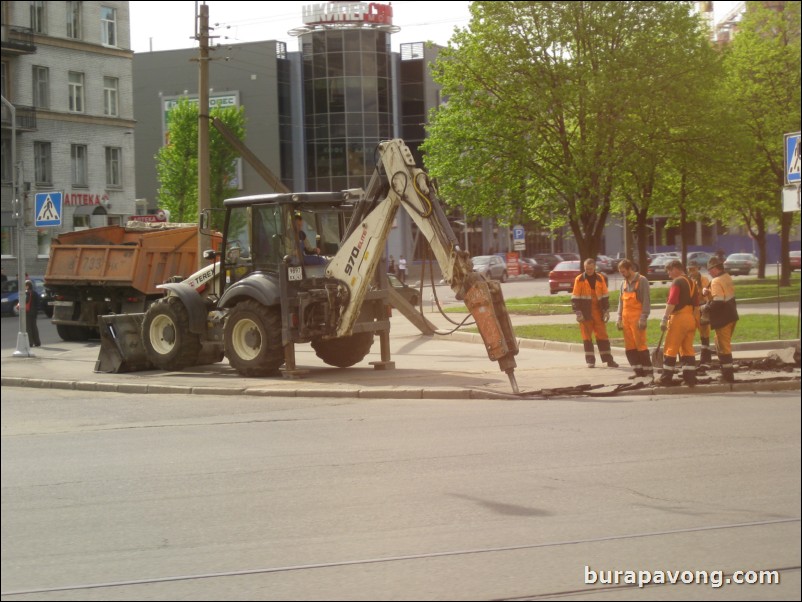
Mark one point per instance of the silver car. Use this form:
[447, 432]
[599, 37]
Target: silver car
[490, 266]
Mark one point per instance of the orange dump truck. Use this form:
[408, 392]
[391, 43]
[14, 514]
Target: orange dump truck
[115, 270]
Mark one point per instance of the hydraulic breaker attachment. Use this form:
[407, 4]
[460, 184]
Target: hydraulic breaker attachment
[485, 301]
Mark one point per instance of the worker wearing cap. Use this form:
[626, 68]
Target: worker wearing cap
[702, 324]
[723, 315]
[679, 324]
[591, 304]
[634, 305]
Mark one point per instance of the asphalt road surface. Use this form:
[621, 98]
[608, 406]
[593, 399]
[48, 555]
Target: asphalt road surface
[122, 497]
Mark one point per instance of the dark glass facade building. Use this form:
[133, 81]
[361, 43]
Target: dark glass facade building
[347, 103]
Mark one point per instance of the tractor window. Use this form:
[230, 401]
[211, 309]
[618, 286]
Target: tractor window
[238, 241]
[268, 236]
[329, 227]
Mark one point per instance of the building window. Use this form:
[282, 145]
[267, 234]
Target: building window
[74, 20]
[43, 164]
[76, 92]
[5, 161]
[38, 17]
[80, 170]
[108, 26]
[7, 236]
[43, 238]
[110, 88]
[41, 87]
[114, 158]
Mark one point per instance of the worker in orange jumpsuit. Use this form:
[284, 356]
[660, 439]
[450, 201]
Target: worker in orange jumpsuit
[723, 314]
[679, 324]
[703, 326]
[634, 305]
[591, 304]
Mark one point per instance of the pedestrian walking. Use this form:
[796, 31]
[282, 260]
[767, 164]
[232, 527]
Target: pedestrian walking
[723, 314]
[402, 269]
[634, 305]
[591, 304]
[703, 326]
[31, 301]
[679, 324]
[391, 266]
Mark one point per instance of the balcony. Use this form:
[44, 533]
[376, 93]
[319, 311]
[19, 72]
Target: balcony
[26, 118]
[17, 40]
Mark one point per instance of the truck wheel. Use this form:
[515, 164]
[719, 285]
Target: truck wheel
[345, 351]
[253, 339]
[70, 332]
[169, 345]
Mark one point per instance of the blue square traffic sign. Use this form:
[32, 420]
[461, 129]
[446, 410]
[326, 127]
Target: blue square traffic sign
[47, 208]
[792, 161]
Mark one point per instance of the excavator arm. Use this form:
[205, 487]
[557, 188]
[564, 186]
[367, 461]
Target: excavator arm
[398, 182]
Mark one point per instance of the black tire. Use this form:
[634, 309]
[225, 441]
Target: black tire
[504, 276]
[345, 351]
[71, 332]
[253, 339]
[169, 345]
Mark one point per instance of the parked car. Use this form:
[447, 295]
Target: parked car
[530, 267]
[569, 256]
[547, 260]
[604, 264]
[562, 277]
[700, 257]
[10, 296]
[740, 263]
[412, 295]
[490, 266]
[794, 260]
[657, 268]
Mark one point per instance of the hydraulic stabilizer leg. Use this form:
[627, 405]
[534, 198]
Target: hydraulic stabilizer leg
[486, 304]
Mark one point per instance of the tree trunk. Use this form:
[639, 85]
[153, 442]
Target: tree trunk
[785, 248]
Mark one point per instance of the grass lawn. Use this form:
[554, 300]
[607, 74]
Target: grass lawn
[746, 291]
[751, 327]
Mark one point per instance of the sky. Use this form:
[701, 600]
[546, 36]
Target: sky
[171, 25]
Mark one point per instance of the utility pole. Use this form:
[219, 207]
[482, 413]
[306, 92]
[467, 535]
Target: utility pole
[22, 350]
[204, 186]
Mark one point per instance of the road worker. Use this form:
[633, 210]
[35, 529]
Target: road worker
[703, 326]
[591, 304]
[634, 305]
[679, 325]
[723, 315]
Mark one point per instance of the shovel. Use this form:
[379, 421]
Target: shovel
[657, 356]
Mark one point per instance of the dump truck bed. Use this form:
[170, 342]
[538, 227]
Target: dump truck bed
[136, 257]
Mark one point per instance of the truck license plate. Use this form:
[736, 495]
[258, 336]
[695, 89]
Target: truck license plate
[295, 273]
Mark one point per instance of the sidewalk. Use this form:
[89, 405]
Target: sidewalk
[445, 367]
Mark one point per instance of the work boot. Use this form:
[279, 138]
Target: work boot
[666, 378]
[727, 375]
[612, 363]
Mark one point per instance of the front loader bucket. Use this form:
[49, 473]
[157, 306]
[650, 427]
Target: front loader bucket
[121, 348]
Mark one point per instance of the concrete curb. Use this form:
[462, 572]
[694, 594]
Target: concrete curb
[381, 393]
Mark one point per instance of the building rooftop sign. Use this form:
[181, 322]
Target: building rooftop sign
[330, 13]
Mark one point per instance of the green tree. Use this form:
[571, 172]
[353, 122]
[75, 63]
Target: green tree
[177, 162]
[762, 87]
[545, 100]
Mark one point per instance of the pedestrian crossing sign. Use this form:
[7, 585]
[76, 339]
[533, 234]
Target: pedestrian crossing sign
[48, 207]
[792, 159]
